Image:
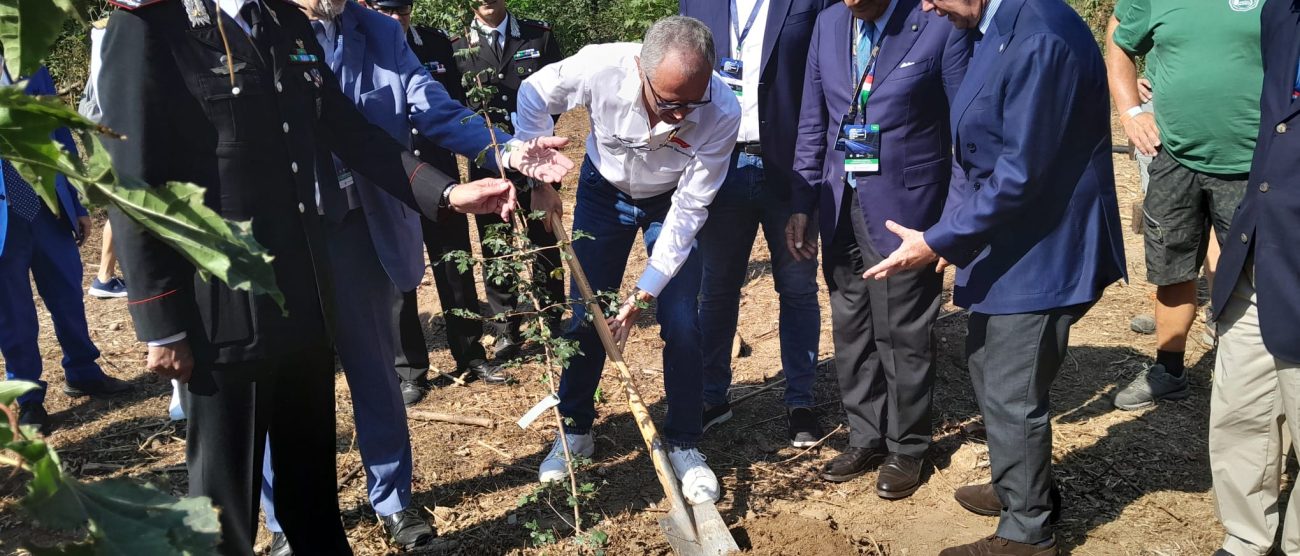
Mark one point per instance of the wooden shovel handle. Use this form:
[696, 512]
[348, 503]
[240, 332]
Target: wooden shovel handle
[663, 467]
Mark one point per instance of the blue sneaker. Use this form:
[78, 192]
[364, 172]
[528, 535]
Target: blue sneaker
[115, 287]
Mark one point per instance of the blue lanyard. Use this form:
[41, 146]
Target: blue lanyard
[735, 23]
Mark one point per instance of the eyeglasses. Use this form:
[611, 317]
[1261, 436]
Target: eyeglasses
[395, 10]
[664, 106]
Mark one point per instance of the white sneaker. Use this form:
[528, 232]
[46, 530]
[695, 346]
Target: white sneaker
[553, 467]
[699, 484]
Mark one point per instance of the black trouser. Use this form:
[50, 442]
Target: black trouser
[1013, 361]
[500, 296]
[234, 409]
[884, 343]
[456, 290]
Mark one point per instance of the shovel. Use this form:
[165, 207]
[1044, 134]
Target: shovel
[692, 530]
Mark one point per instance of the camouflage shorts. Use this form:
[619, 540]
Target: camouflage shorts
[1180, 208]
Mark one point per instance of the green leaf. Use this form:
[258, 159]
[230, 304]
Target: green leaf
[173, 212]
[11, 389]
[125, 517]
[29, 33]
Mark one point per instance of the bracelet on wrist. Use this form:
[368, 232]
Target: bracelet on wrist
[1134, 111]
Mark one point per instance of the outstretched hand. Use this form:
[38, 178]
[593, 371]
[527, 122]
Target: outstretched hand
[540, 159]
[485, 196]
[913, 253]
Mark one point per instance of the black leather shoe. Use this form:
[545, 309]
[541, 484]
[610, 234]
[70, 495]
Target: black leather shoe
[279, 545]
[488, 373]
[983, 500]
[407, 529]
[412, 390]
[851, 464]
[107, 386]
[33, 414]
[505, 349]
[900, 476]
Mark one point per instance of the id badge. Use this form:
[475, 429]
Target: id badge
[861, 147]
[733, 73]
[345, 179]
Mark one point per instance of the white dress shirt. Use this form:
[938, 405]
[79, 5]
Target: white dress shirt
[232, 7]
[480, 27]
[751, 56]
[691, 157]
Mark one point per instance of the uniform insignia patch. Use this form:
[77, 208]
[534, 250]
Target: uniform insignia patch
[301, 56]
[316, 78]
[435, 67]
[528, 54]
[197, 12]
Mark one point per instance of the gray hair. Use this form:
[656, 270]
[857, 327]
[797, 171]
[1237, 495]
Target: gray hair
[682, 35]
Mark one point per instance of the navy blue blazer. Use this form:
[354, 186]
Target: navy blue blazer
[1034, 224]
[381, 74]
[1265, 223]
[41, 84]
[780, 85]
[920, 67]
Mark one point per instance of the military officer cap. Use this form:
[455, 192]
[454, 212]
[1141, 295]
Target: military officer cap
[390, 3]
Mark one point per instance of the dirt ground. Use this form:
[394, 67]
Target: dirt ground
[1134, 483]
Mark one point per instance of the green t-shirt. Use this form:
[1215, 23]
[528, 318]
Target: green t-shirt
[1204, 62]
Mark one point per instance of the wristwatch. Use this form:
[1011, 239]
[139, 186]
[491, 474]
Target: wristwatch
[445, 201]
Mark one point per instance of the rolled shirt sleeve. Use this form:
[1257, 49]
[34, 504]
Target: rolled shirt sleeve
[554, 90]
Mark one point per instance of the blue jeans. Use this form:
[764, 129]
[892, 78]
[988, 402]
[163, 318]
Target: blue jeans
[748, 200]
[46, 249]
[613, 218]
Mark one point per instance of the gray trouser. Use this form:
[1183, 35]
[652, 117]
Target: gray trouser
[1255, 394]
[1013, 361]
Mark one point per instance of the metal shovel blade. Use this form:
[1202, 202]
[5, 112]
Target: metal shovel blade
[709, 537]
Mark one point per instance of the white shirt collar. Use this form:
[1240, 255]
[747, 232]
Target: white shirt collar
[989, 12]
[500, 28]
[232, 7]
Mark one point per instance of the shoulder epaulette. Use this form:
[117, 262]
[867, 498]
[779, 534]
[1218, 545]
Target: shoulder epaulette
[134, 4]
[536, 23]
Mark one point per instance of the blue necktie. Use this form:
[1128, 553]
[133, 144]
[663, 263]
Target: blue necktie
[22, 198]
[867, 36]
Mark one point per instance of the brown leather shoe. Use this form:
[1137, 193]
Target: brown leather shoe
[998, 546]
[900, 476]
[980, 499]
[983, 500]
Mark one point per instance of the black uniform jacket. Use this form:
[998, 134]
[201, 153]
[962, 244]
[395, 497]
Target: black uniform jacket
[529, 46]
[434, 50]
[166, 86]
